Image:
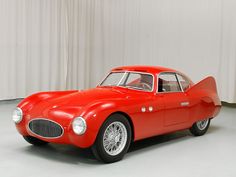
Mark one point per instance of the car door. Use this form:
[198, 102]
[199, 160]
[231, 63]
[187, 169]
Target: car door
[147, 111]
[176, 102]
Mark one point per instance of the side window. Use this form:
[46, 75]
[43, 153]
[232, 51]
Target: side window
[167, 82]
[185, 83]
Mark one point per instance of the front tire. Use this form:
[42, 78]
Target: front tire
[200, 127]
[34, 141]
[113, 139]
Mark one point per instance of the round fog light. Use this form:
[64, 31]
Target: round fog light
[79, 126]
[17, 115]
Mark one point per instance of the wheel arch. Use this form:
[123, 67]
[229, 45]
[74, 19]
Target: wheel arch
[128, 118]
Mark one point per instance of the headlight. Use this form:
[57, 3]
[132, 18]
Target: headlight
[79, 126]
[17, 115]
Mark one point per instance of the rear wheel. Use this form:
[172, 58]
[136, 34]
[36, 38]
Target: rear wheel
[113, 139]
[35, 141]
[200, 127]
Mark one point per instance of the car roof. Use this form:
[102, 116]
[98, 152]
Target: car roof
[148, 69]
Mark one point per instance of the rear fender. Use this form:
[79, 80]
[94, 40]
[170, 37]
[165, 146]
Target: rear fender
[205, 99]
[206, 87]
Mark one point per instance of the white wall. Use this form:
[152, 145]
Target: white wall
[71, 44]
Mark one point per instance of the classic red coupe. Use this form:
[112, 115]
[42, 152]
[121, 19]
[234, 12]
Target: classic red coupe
[130, 104]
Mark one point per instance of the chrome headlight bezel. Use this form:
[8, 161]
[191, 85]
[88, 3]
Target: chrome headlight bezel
[17, 115]
[79, 126]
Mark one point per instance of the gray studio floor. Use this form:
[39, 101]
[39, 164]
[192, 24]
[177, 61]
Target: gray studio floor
[174, 155]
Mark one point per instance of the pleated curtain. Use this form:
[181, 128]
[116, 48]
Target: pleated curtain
[72, 44]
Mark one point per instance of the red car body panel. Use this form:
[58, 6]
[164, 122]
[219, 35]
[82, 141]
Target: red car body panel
[96, 105]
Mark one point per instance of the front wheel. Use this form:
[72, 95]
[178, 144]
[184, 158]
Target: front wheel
[200, 127]
[34, 141]
[113, 139]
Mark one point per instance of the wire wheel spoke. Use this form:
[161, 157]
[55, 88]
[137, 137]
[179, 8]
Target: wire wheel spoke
[115, 138]
[202, 124]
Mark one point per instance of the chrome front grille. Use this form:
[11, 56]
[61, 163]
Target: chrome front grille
[45, 128]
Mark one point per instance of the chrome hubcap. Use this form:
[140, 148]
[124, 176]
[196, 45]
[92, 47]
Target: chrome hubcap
[115, 138]
[202, 124]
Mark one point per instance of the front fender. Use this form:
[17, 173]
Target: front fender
[94, 114]
[28, 103]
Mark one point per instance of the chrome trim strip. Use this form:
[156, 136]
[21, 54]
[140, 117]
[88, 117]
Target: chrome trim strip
[124, 75]
[184, 103]
[43, 136]
[180, 85]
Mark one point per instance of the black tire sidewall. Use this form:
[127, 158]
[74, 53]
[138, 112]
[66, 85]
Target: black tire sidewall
[196, 131]
[98, 148]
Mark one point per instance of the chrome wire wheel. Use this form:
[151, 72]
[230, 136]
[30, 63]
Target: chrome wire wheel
[202, 124]
[115, 138]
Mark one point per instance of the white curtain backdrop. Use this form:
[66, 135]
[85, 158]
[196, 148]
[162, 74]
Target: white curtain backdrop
[72, 44]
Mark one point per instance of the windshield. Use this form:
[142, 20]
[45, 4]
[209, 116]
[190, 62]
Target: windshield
[138, 81]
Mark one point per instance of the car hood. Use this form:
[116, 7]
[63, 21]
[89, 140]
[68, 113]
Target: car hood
[82, 98]
[74, 102]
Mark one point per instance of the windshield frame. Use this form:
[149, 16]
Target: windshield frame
[125, 75]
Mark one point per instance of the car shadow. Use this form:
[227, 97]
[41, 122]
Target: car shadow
[73, 155]
[164, 140]
[213, 128]
[160, 140]
[63, 153]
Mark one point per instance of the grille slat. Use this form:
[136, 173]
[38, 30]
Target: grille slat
[45, 128]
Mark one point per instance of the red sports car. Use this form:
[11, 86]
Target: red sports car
[130, 104]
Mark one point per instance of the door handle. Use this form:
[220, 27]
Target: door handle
[186, 103]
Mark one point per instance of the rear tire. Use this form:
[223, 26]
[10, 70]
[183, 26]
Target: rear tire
[113, 139]
[34, 141]
[200, 127]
